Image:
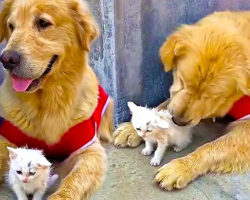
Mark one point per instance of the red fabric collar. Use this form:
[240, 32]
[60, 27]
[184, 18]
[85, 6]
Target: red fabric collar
[80, 136]
[241, 108]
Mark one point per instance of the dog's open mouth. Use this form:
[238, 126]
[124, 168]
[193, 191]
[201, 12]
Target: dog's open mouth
[23, 84]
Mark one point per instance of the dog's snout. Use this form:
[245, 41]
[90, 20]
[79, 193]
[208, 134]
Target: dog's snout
[10, 59]
[179, 121]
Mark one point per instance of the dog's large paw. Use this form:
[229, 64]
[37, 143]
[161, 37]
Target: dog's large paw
[126, 136]
[175, 175]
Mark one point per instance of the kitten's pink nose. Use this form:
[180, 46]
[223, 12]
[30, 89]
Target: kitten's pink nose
[25, 180]
[144, 134]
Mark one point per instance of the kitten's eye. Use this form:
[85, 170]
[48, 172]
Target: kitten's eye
[19, 172]
[138, 129]
[43, 24]
[149, 130]
[32, 173]
[11, 27]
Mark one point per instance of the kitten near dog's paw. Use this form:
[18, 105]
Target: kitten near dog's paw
[29, 173]
[156, 126]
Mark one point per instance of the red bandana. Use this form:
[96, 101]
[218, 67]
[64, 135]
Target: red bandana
[80, 136]
[241, 109]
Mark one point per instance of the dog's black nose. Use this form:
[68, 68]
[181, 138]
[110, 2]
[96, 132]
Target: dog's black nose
[179, 122]
[10, 59]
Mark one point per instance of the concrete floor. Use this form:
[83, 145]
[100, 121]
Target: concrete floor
[130, 176]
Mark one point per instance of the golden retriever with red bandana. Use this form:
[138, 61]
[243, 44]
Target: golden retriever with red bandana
[50, 88]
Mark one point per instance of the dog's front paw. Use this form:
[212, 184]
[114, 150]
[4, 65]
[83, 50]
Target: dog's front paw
[175, 175]
[155, 161]
[146, 151]
[126, 136]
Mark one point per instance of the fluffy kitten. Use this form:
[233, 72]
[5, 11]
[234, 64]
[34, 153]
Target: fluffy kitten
[29, 173]
[156, 126]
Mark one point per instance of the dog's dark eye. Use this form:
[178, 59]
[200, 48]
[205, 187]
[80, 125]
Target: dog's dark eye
[32, 173]
[43, 23]
[138, 129]
[11, 27]
[19, 172]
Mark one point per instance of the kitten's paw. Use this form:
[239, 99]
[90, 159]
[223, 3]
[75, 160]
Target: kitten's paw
[53, 180]
[177, 149]
[146, 151]
[155, 162]
[125, 136]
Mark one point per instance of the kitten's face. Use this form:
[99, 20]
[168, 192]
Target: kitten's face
[145, 121]
[142, 123]
[24, 171]
[27, 164]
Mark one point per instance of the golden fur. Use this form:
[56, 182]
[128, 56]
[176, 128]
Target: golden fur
[67, 95]
[211, 68]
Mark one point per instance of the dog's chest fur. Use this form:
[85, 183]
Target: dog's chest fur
[41, 117]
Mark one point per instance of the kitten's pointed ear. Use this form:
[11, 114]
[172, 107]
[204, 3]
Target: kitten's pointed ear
[161, 123]
[43, 163]
[132, 106]
[12, 153]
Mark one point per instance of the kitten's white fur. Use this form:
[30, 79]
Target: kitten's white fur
[156, 126]
[26, 161]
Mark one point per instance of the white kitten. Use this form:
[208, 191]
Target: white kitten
[29, 173]
[156, 126]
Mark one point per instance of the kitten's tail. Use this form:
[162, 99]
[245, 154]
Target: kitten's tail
[52, 180]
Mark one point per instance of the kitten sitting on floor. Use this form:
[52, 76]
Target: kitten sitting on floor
[156, 126]
[29, 173]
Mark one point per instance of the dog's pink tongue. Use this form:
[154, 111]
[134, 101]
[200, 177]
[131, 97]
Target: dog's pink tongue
[20, 84]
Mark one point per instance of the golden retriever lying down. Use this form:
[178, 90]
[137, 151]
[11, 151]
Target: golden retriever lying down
[51, 98]
[211, 67]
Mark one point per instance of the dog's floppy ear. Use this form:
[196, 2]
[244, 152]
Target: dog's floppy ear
[6, 5]
[87, 27]
[175, 46]
[242, 80]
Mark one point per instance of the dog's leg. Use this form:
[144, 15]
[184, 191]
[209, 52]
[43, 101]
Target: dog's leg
[106, 128]
[4, 156]
[85, 171]
[125, 135]
[229, 153]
